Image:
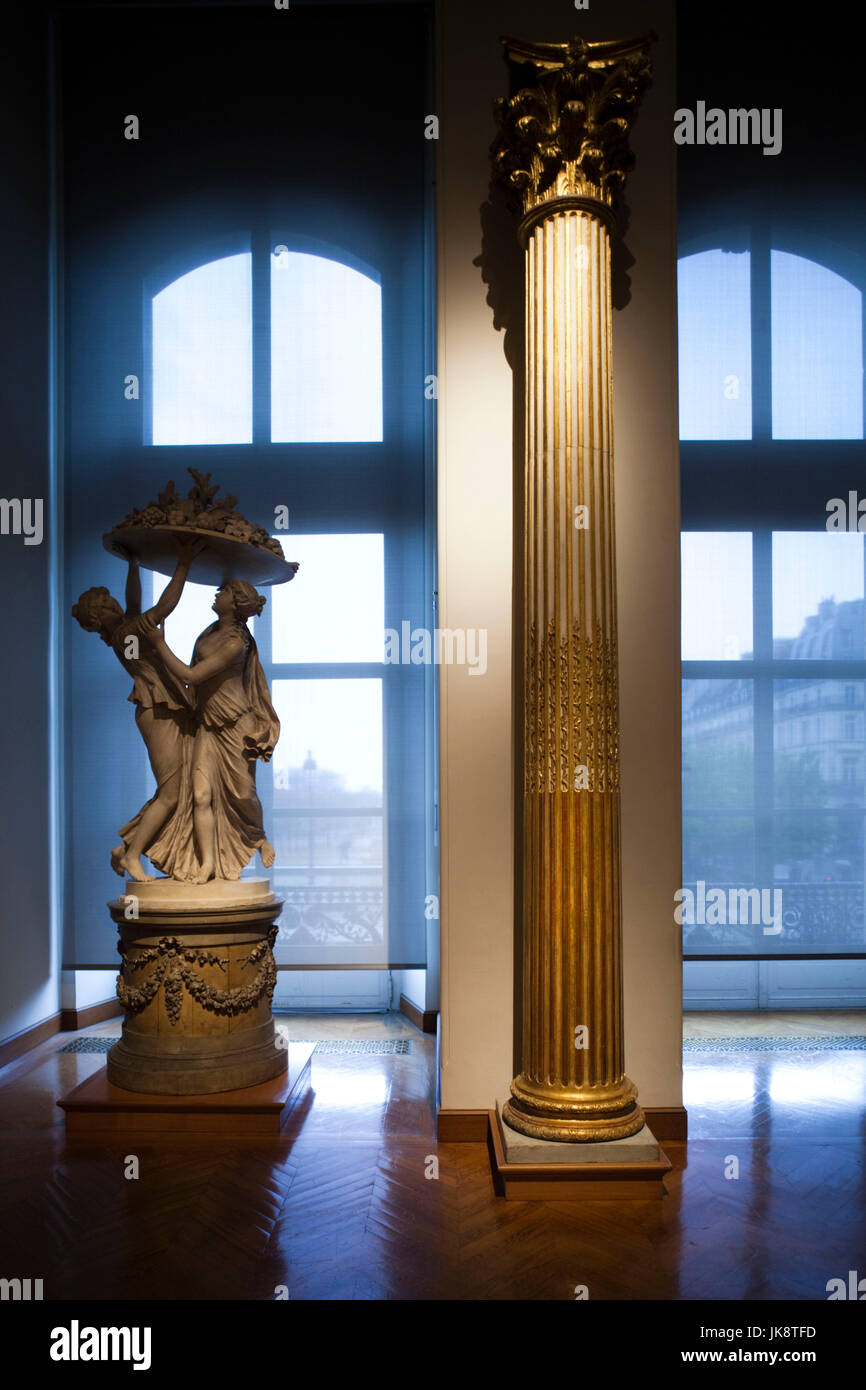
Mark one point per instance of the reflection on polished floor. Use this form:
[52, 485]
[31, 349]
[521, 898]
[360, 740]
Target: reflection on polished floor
[342, 1207]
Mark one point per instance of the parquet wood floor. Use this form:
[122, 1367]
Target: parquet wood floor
[341, 1208]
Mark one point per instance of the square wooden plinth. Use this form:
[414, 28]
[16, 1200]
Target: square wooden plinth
[570, 1182]
[97, 1107]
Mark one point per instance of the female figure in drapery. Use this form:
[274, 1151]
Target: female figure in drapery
[217, 826]
[163, 706]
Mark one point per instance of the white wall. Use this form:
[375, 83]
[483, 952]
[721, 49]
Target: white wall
[475, 546]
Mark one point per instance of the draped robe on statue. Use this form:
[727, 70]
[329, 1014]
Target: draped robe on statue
[235, 725]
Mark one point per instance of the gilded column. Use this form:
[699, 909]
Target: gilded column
[562, 149]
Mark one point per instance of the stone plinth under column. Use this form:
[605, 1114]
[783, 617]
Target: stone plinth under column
[196, 984]
[547, 1170]
[642, 1147]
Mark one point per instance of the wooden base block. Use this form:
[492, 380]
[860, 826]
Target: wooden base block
[571, 1182]
[97, 1107]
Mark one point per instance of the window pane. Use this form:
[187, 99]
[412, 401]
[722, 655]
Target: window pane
[819, 870]
[193, 614]
[329, 854]
[818, 744]
[717, 780]
[330, 748]
[202, 356]
[818, 846]
[715, 346]
[718, 849]
[817, 333]
[819, 873]
[718, 744]
[321, 849]
[718, 821]
[326, 351]
[344, 919]
[718, 772]
[335, 609]
[818, 595]
[716, 595]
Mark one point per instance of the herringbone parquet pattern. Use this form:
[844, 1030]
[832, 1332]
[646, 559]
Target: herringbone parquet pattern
[341, 1207]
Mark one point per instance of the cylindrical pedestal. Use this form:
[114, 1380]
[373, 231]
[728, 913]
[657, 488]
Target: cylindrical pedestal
[196, 983]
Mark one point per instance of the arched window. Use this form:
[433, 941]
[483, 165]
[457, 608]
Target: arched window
[715, 347]
[773, 599]
[282, 346]
[324, 329]
[202, 363]
[816, 319]
[815, 347]
[326, 350]
[229, 307]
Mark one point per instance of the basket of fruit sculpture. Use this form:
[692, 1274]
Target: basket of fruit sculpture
[230, 547]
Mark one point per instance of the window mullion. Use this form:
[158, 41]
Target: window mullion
[760, 291]
[261, 258]
[762, 599]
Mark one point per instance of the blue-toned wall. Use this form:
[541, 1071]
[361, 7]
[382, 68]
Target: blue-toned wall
[29, 979]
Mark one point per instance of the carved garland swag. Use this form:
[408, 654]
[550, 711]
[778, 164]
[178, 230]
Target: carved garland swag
[175, 970]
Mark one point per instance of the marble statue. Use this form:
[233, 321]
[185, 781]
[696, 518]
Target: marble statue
[217, 826]
[196, 944]
[205, 725]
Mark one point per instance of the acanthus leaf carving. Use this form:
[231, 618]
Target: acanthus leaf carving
[566, 135]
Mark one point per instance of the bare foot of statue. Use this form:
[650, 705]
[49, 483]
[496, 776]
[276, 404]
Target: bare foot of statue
[267, 853]
[129, 865]
[204, 873]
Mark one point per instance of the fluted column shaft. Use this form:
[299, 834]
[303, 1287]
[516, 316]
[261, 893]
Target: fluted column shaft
[571, 1084]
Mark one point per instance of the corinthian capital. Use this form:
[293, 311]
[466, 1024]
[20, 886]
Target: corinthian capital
[565, 136]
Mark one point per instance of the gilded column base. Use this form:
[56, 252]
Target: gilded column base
[573, 1114]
